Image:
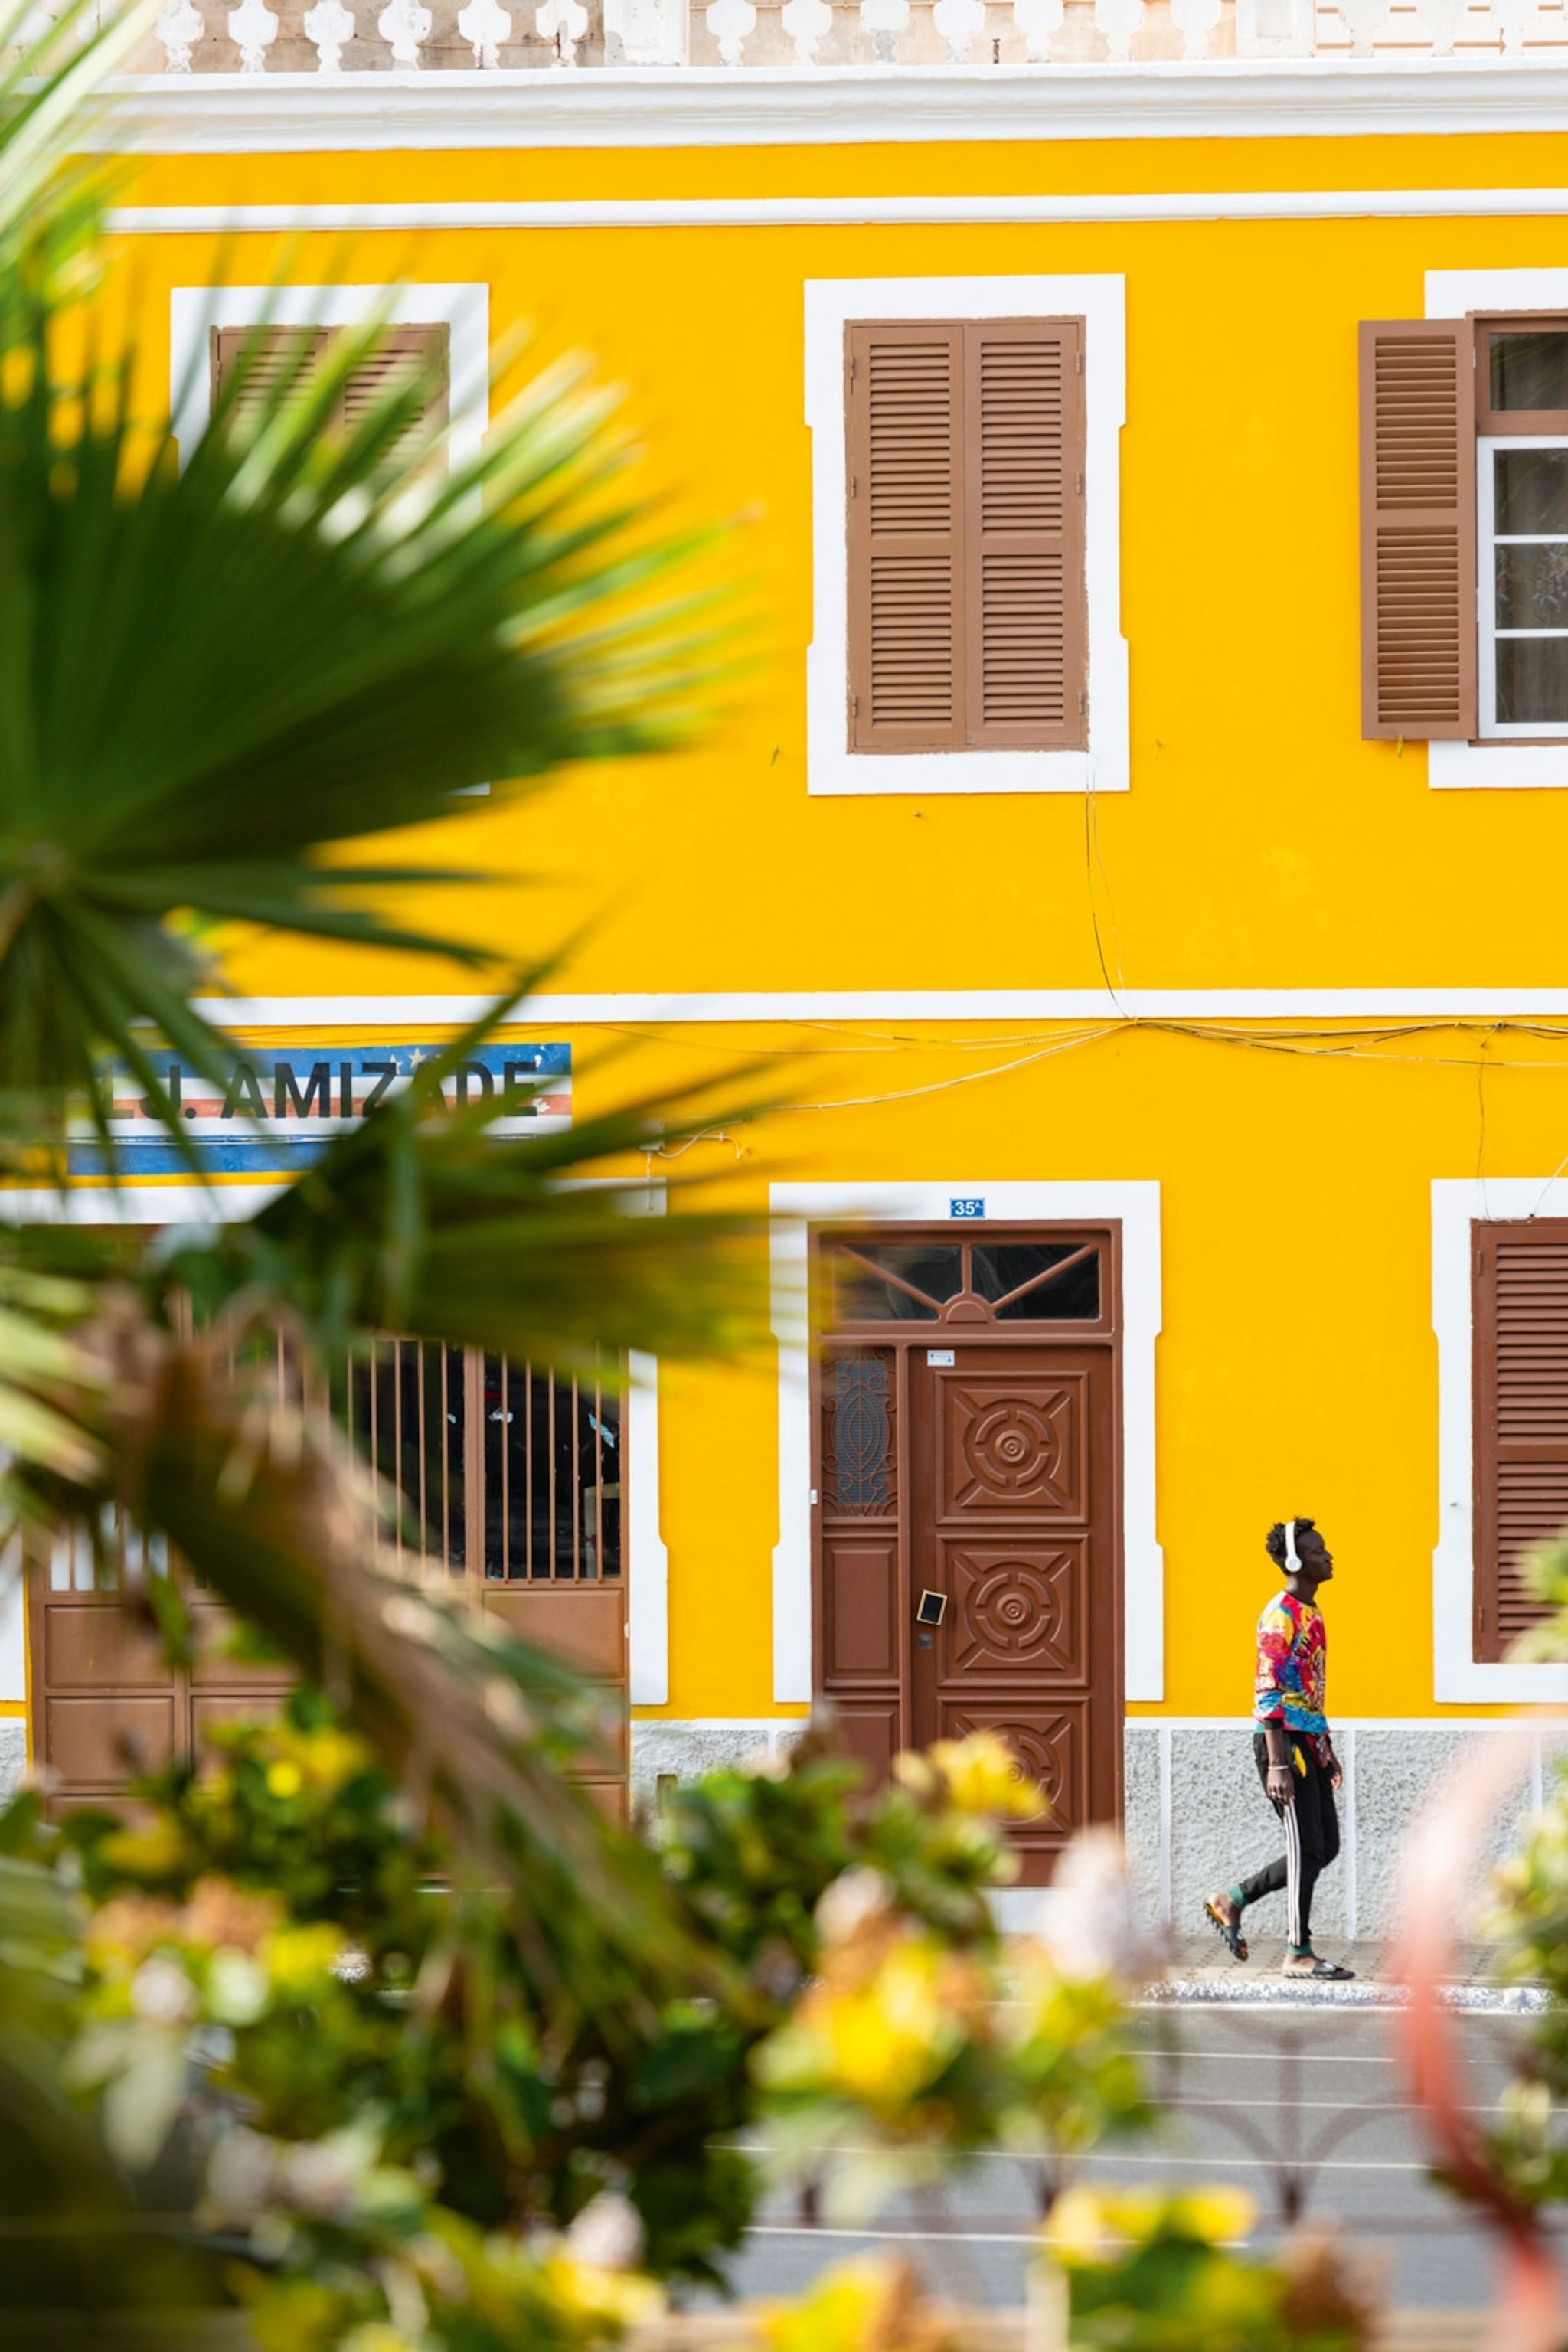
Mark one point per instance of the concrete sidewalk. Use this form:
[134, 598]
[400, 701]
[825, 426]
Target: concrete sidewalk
[1199, 1969]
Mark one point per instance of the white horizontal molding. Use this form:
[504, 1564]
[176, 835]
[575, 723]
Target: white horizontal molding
[761, 106]
[896, 1005]
[844, 212]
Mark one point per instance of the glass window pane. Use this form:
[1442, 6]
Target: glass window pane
[1001, 1267]
[929, 1266]
[1533, 586]
[1533, 681]
[1532, 490]
[1531, 370]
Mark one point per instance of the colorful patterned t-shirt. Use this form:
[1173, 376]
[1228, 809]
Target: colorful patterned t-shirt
[1292, 1670]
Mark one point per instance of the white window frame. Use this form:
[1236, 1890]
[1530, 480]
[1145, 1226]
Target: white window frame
[1497, 763]
[1486, 585]
[464, 309]
[1458, 1675]
[831, 768]
[1134, 1203]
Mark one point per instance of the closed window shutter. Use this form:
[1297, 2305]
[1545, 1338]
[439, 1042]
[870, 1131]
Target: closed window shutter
[906, 538]
[967, 602]
[1419, 529]
[1520, 1418]
[404, 355]
[1024, 555]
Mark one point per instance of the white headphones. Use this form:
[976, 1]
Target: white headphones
[1293, 1557]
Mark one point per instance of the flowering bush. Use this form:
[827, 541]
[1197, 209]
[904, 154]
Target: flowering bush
[281, 1983]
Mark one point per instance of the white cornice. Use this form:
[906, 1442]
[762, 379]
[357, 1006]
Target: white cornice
[769, 106]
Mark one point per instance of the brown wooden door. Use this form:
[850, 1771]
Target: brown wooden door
[514, 1487]
[969, 1448]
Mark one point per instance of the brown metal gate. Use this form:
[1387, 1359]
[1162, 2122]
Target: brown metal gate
[968, 1448]
[514, 1487]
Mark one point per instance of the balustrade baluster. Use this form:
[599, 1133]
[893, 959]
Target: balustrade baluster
[403, 26]
[561, 22]
[179, 28]
[958, 21]
[253, 29]
[1038, 20]
[884, 20]
[328, 27]
[1515, 19]
[1362, 21]
[1441, 18]
[485, 24]
[1194, 20]
[808, 23]
[1118, 20]
[732, 24]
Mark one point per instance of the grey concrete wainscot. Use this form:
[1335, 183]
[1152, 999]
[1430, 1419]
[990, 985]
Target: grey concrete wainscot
[13, 1758]
[1197, 1819]
[667, 1747]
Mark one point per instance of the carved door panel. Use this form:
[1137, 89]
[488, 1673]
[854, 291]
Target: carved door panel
[1013, 1520]
[960, 1452]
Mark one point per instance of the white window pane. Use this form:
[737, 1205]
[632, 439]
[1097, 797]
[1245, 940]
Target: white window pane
[1532, 490]
[1533, 585]
[1533, 681]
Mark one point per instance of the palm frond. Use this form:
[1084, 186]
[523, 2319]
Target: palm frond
[213, 673]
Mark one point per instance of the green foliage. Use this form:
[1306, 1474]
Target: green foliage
[381, 2069]
[1151, 2272]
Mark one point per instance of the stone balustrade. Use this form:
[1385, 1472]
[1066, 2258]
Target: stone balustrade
[332, 37]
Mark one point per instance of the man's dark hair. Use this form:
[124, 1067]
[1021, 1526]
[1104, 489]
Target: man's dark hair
[1274, 1541]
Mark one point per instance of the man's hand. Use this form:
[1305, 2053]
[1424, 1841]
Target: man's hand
[1281, 1785]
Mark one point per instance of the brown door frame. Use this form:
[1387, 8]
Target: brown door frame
[1105, 1330]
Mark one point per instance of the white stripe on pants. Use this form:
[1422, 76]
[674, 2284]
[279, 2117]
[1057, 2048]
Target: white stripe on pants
[1292, 1877]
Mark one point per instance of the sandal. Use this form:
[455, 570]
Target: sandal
[1227, 1930]
[1325, 1971]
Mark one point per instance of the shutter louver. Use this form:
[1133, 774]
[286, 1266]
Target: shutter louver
[967, 596]
[1418, 529]
[906, 538]
[1025, 558]
[1521, 1418]
[404, 356]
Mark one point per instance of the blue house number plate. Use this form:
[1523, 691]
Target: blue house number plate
[966, 1208]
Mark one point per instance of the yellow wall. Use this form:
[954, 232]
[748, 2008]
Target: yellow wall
[1263, 846]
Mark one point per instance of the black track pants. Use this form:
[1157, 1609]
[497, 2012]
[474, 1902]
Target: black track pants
[1311, 1839]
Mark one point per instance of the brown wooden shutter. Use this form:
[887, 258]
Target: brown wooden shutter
[1419, 529]
[404, 355]
[967, 605]
[1521, 1417]
[270, 353]
[906, 538]
[1023, 558]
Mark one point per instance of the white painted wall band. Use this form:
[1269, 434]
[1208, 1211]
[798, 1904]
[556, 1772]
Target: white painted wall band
[847, 212]
[677, 1007]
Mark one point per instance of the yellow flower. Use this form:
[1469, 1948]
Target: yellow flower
[299, 1960]
[1092, 2225]
[883, 2023]
[377, 2336]
[856, 2306]
[983, 1776]
[616, 2298]
[159, 1851]
[285, 1779]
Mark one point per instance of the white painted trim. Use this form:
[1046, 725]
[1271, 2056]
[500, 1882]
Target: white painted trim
[938, 1005]
[464, 309]
[1457, 1674]
[648, 1557]
[703, 107]
[1102, 302]
[840, 212]
[1496, 765]
[794, 1207]
[1496, 731]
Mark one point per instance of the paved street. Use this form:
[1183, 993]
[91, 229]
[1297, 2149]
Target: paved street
[1275, 2100]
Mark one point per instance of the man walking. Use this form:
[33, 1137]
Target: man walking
[1295, 1755]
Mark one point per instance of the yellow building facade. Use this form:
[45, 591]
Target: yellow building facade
[1272, 1016]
